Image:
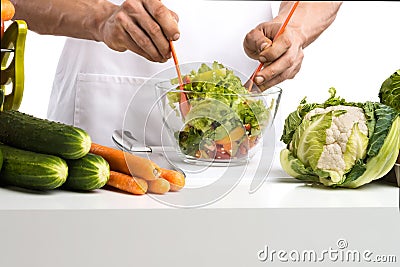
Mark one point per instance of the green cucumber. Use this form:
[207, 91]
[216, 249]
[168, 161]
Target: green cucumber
[87, 173]
[32, 170]
[27, 132]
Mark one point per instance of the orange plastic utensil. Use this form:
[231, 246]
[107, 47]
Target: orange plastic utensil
[281, 29]
[183, 103]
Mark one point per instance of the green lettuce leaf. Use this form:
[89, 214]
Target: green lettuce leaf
[189, 140]
[219, 103]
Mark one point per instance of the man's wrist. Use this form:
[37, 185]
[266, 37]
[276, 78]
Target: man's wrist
[96, 21]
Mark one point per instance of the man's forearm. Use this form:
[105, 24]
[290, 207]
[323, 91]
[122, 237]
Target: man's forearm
[73, 18]
[310, 18]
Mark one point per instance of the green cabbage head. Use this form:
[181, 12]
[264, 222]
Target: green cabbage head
[339, 143]
[389, 93]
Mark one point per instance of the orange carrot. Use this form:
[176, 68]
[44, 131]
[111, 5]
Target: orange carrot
[113, 156]
[175, 178]
[127, 183]
[7, 10]
[127, 163]
[158, 186]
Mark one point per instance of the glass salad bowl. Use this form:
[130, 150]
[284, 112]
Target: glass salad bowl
[213, 118]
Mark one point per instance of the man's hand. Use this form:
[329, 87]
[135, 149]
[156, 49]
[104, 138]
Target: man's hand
[282, 58]
[142, 26]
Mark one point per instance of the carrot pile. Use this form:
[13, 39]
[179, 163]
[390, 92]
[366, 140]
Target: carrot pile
[137, 175]
[127, 183]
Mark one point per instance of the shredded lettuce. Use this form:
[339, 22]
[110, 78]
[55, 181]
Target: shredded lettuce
[219, 103]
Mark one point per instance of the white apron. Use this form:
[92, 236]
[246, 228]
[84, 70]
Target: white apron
[94, 85]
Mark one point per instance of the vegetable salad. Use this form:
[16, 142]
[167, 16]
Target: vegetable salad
[225, 120]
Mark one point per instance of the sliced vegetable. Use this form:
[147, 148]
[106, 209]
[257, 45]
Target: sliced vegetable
[27, 132]
[222, 111]
[87, 173]
[127, 163]
[127, 183]
[235, 135]
[32, 170]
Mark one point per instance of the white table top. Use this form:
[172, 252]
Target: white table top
[206, 189]
[49, 226]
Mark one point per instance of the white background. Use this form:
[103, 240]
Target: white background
[355, 55]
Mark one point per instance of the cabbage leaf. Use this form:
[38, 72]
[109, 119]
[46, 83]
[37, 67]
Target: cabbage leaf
[389, 93]
[366, 157]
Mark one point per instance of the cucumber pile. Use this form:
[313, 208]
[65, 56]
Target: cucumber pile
[40, 154]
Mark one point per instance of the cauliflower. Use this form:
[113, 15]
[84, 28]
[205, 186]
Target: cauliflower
[337, 136]
[339, 143]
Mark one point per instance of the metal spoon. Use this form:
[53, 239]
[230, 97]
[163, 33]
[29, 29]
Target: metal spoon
[125, 141]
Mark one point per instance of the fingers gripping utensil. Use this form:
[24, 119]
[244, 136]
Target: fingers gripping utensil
[280, 31]
[125, 141]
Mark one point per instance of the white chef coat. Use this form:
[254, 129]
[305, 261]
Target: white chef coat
[94, 86]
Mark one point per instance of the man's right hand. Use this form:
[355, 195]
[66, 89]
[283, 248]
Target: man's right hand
[142, 26]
